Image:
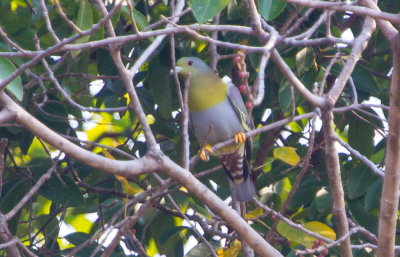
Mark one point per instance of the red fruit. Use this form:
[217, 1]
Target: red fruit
[249, 105]
[243, 89]
[317, 243]
[324, 252]
[242, 74]
[237, 59]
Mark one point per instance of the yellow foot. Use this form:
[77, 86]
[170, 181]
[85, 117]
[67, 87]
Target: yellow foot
[240, 138]
[204, 152]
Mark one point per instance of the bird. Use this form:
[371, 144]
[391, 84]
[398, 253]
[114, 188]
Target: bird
[217, 113]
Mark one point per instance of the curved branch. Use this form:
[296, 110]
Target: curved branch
[344, 7]
[152, 162]
[146, 164]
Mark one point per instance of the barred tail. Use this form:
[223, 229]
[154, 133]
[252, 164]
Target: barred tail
[237, 168]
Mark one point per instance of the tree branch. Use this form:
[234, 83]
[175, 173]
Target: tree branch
[335, 181]
[390, 189]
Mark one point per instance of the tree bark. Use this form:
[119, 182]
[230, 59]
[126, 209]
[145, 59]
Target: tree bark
[390, 191]
[335, 182]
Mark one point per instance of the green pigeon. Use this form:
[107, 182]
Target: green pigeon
[218, 113]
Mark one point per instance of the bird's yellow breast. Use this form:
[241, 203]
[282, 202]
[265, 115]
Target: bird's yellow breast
[206, 92]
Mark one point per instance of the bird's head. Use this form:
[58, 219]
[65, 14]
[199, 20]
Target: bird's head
[192, 65]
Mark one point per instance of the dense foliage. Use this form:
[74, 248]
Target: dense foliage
[62, 56]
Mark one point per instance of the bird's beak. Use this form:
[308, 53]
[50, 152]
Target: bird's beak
[178, 70]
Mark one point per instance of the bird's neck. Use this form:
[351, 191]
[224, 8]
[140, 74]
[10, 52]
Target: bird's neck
[206, 91]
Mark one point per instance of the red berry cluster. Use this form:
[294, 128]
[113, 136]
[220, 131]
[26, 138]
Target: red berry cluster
[243, 75]
[324, 251]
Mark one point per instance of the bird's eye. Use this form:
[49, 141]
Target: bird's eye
[190, 63]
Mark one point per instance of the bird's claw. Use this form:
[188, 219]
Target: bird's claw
[205, 152]
[240, 138]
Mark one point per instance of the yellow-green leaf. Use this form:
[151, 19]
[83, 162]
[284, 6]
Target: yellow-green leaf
[296, 236]
[231, 251]
[287, 154]
[321, 228]
[254, 213]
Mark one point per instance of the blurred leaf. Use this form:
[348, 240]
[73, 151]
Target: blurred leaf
[254, 213]
[287, 155]
[25, 141]
[358, 181]
[140, 19]
[85, 19]
[361, 136]
[77, 238]
[128, 188]
[204, 10]
[160, 86]
[105, 63]
[171, 232]
[109, 207]
[12, 193]
[65, 192]
[373, 195]
[308, 188]
[362, 217]
[232, 251]
[200, 250]
[285, 96]
[323, 201]
[304, 59]
[364, 80]
[270, 9]
[15, 86]
[321, 229]
[297, 236]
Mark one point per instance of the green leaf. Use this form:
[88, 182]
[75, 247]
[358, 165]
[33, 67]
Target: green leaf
[65, 192]
[270, 9]
[358, 181]
[285, 96]
[105, 63]
[140, 19]
[171, 233]
[306, 193]
[85, 17]
[373, 195]
[204, 10]
[159, 81]
[110, 207]
[364, 81]
[84, 21]
[304, 60]
[15, 86]
[77, 238]
[362, 216]
[12, 193]
[323, 201]
[361, 135]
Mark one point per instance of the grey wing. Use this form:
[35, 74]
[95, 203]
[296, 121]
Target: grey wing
[237, 103]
